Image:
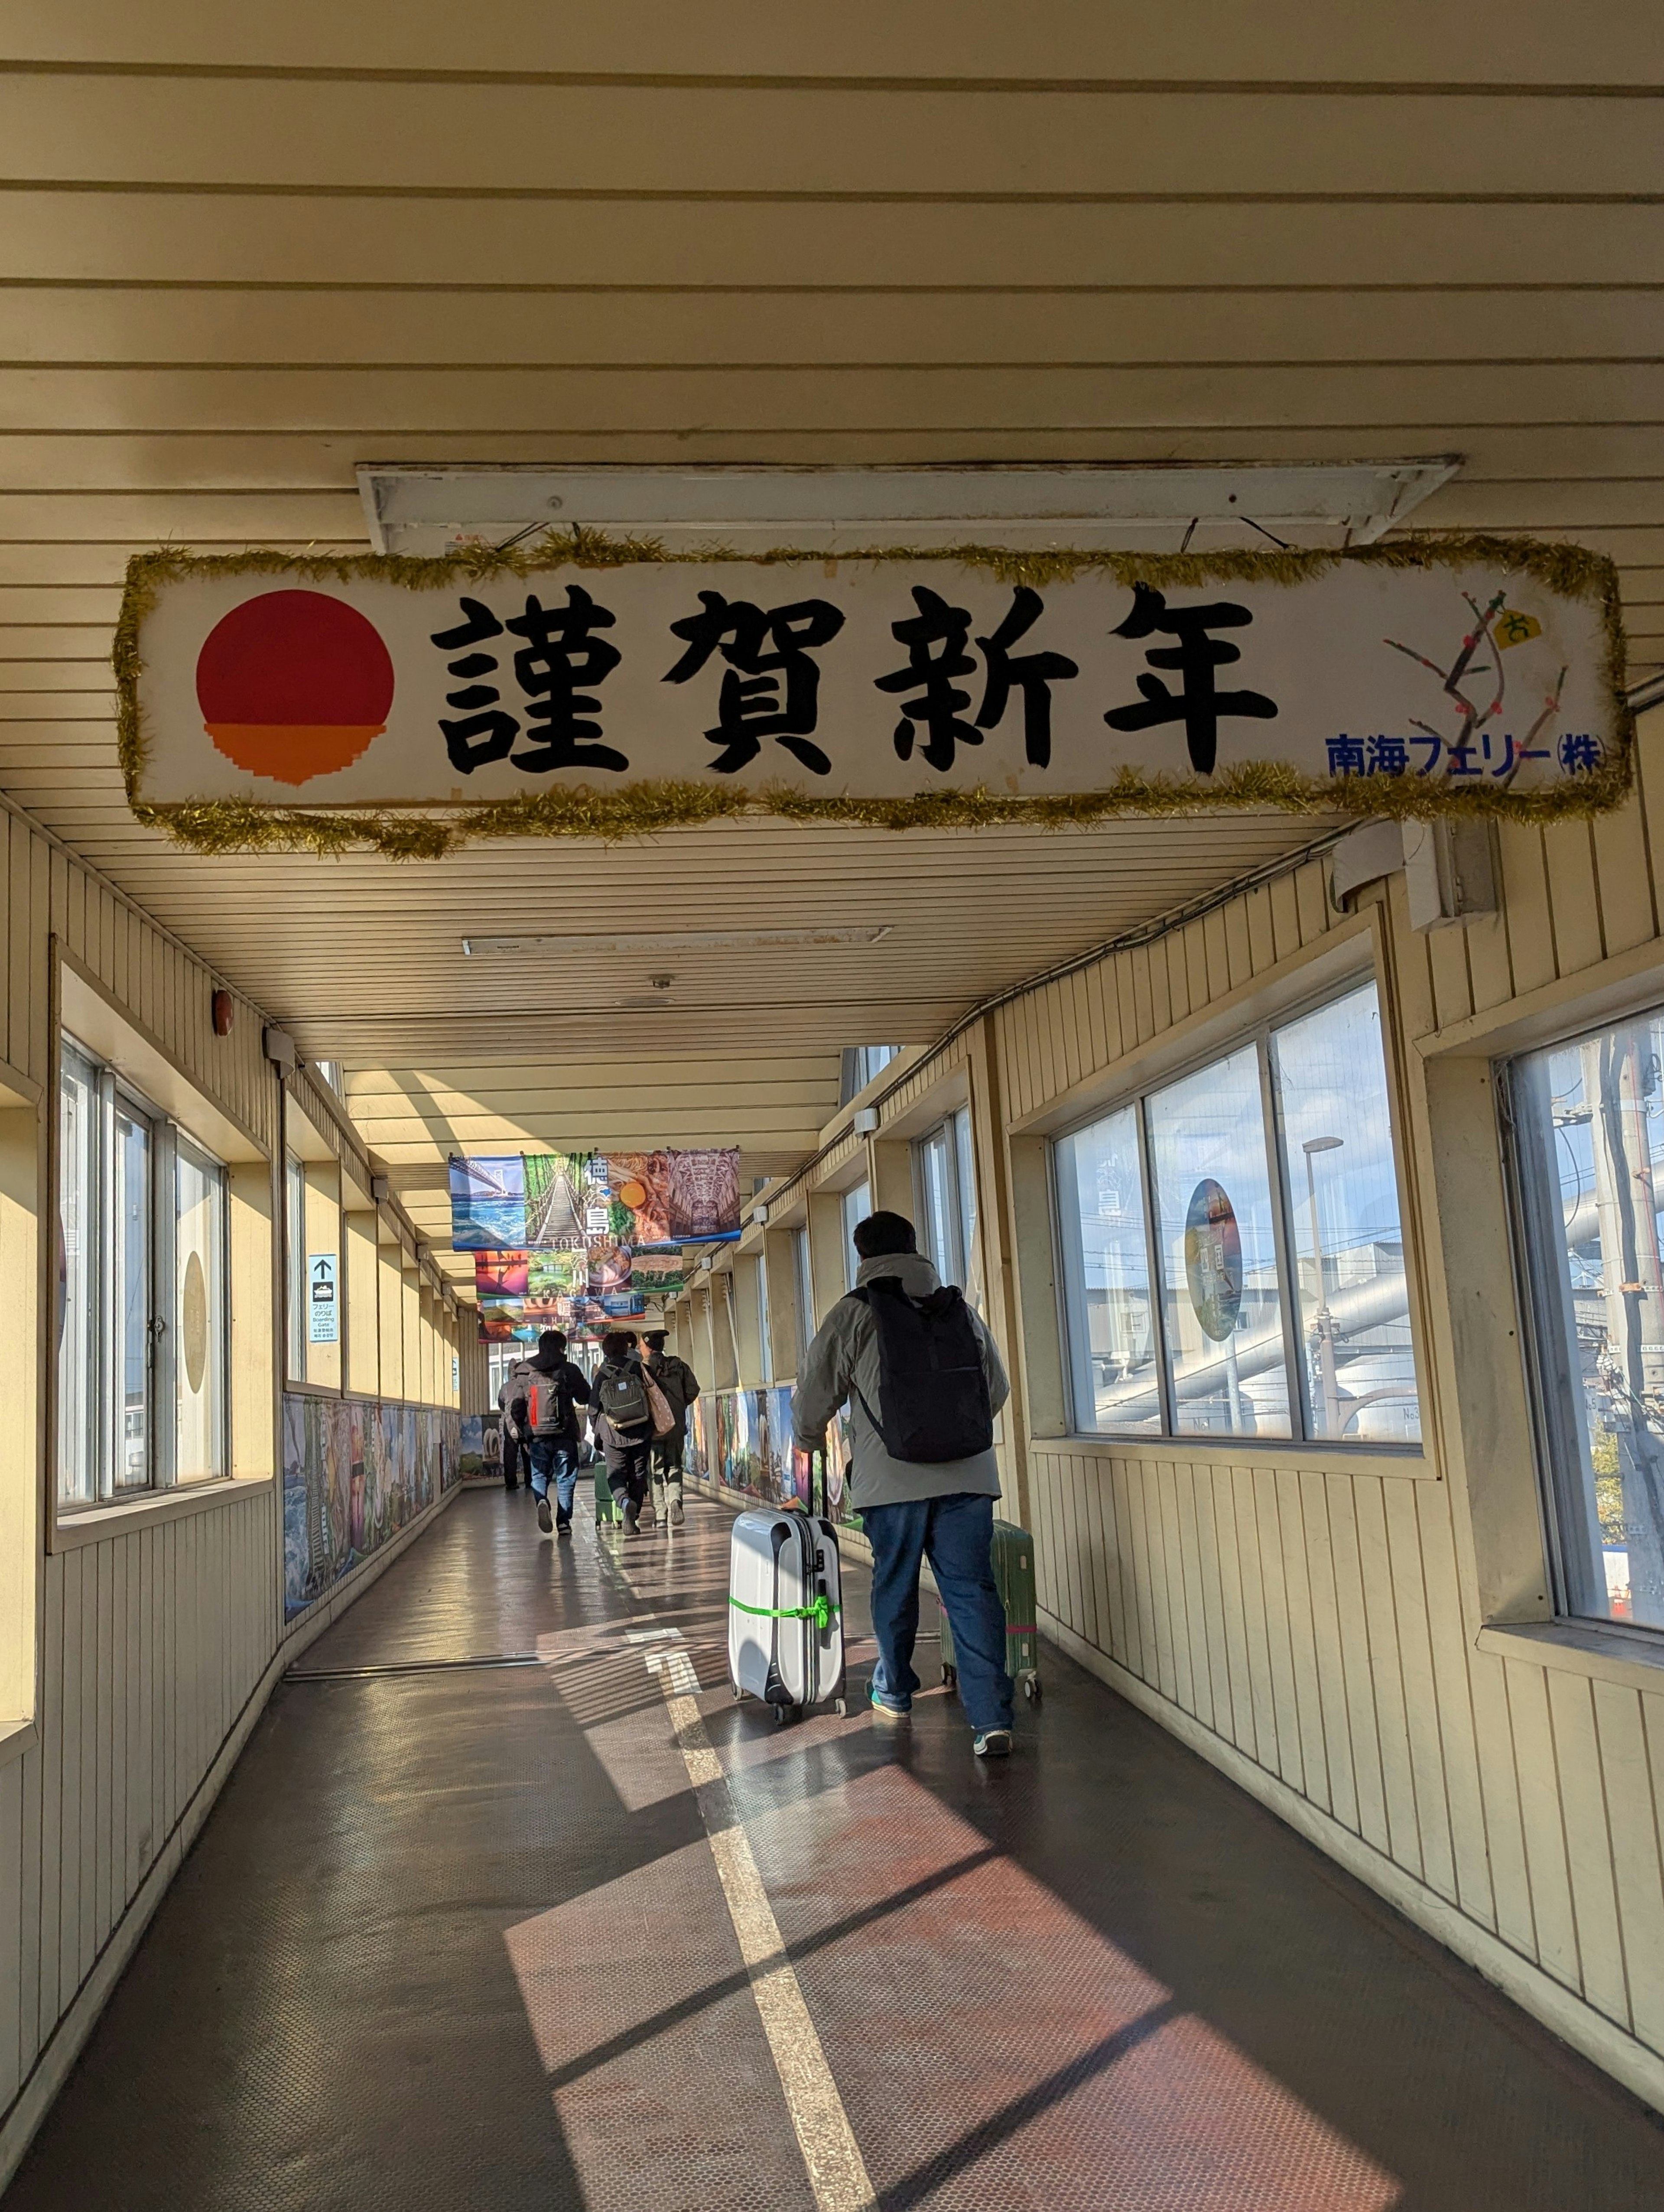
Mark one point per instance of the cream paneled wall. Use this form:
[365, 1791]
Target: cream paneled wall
[1365, 1642]
[148, 1633]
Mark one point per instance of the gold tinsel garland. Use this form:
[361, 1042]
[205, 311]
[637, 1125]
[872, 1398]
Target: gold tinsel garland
[228, 825]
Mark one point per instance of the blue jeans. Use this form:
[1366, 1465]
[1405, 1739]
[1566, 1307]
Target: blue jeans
[956, 1535]
[555, 1459]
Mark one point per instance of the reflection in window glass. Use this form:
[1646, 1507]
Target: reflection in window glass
[78, 1281]
[1221, 1304]
[1351, 1292]
[1106, 1269]
[131, 1202]
[199, 1316]
[1589, 1123]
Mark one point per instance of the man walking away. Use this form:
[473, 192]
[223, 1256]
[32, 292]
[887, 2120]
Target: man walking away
[923, 1381]
[621, 1418]
[516, 1440]
[556, 1387]
[681, 1387]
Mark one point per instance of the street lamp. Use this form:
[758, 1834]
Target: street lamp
[1324, 1322]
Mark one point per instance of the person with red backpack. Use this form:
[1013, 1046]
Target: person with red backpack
[554, 1389]
[923, 1380]
[622, 1421]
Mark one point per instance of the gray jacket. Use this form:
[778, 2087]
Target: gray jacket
[844, 1359]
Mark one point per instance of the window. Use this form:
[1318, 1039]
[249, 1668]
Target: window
[945, 1179]
[141, 1338]
[294, 1240]
[1587, 1123]
[199, 1318]
[804, 1278]
[861, 1062]
[857, 1205]
[765, 1333]
[1232, 1258]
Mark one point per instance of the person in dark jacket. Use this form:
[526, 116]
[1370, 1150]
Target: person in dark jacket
[681, 1387]
[621, 1420]
[554, 1388]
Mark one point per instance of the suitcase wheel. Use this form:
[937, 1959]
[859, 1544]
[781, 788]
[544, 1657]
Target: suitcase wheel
[783, 1714]
[840, 1706]
[1031, 1687]
[950, 1677]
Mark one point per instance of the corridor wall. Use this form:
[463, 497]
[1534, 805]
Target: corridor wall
[1365, 1640]
[1367, 1643]
[138, 1639]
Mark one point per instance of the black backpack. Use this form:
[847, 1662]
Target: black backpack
[933, 1389]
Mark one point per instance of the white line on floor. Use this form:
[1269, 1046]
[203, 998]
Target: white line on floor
[837, 2172]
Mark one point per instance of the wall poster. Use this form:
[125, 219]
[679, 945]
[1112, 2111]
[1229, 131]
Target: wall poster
[356, 1472]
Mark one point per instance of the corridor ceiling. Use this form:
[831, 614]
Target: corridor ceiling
[247, 251]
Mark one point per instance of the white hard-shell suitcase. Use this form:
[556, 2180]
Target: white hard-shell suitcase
[784, 1612]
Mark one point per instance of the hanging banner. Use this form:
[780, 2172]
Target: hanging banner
[585, 687]
[507, 1206]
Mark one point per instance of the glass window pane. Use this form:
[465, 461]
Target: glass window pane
[1106, 1277]
[199, 1316]
[765, 1334]
[1351, 1289]
[964, 1156]
[1589, 1133]
[940, 1203]
[295, 1189]
[130, 1258]
[78, 1282]
[857, 1205]
[806, 1294]
[1222, 1307]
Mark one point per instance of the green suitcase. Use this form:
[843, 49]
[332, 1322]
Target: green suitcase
[1014, 1572]
[606, 1505]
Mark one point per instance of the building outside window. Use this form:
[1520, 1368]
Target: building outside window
[1587, 1121]
[944, 1182]
[141, 1302]
[1233, 1258]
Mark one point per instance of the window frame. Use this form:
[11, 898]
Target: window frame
[111, 1093]
[956, 1133]
[1165, 1075]
[846, 1223]
[1540, 1345]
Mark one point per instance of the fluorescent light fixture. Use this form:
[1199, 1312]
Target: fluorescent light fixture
[1133, 506]
[675, 940]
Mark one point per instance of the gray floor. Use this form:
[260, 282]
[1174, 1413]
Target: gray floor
[454, 1938]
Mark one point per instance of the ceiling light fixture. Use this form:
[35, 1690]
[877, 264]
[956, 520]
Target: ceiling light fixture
[675, 940]
[1135, 506]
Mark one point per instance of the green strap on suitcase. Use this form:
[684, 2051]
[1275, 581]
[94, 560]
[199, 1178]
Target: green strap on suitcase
[1014, 1575]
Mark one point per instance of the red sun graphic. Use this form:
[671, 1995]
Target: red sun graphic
[294, 684]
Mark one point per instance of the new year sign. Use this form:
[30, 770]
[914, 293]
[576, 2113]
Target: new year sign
[878, 679]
